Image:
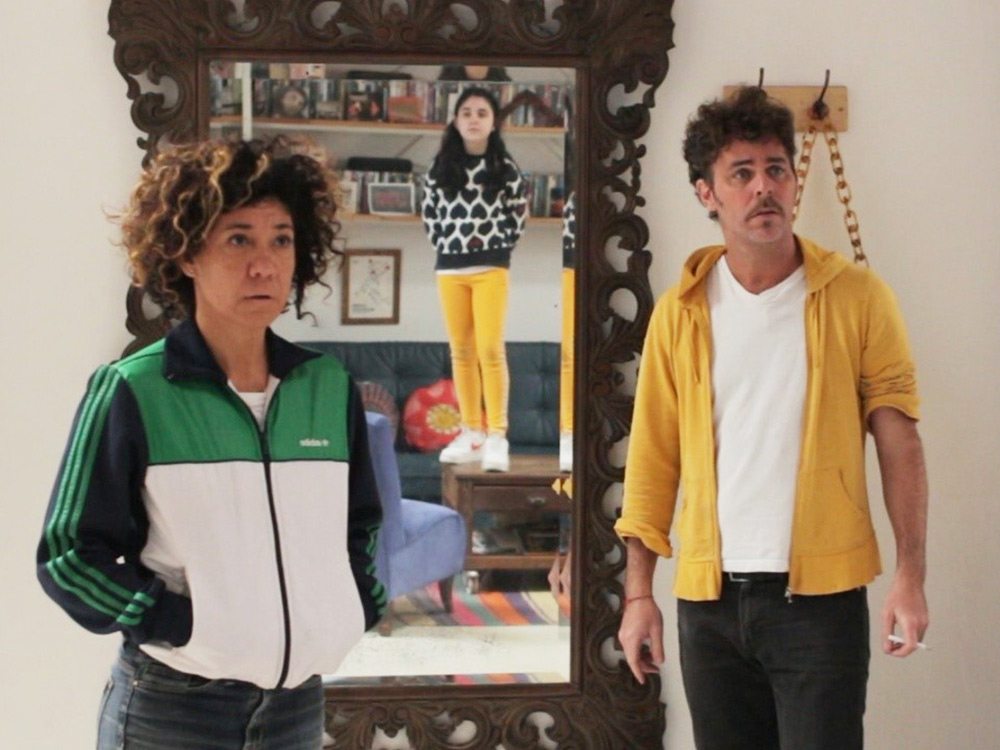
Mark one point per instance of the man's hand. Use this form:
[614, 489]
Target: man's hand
[906, 607]
[641, 636]
[641, 631]
[904, 484]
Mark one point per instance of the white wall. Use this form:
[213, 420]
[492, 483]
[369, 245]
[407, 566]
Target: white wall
[922, 77]
[533, 296]
[67, 153]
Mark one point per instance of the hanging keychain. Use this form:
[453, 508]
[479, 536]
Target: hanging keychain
[820, 114]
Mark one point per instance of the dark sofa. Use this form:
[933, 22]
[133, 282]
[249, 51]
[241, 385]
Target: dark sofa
[402, 366]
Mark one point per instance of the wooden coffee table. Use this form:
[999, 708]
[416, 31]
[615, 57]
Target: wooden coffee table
[530, 489]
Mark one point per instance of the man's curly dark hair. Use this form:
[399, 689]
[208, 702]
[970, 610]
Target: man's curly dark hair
[185, 189]
[749, 115]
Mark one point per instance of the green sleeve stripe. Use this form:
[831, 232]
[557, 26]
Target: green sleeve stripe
[379, 593]
[97, 395]
[372, 539]
[95, 604]
[82, 583]
[91, 585]
[84, 573]
[79, 494]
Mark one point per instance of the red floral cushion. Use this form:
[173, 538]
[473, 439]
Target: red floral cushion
[431, 418]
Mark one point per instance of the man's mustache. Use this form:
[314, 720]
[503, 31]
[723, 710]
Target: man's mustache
[766, 204]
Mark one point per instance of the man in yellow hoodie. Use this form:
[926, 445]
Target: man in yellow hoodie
[761, 372]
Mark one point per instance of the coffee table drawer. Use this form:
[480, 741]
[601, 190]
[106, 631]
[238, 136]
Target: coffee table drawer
[518, 497]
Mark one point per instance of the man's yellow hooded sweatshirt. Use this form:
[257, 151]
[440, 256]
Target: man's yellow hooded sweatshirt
[858, 359]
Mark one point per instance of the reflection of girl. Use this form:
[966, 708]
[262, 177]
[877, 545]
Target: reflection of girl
[473, 209]
[559, 574]
[566, 347]
[217, 504]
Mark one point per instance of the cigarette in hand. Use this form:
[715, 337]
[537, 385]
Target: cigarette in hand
[897, 639]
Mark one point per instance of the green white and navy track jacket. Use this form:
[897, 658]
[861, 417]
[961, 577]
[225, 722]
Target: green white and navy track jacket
[223, 550]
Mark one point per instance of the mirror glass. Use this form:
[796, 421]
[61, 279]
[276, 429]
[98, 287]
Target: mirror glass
[380, 127]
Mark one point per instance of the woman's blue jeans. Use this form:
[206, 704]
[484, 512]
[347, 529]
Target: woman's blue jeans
[149, 706]
[764, 671]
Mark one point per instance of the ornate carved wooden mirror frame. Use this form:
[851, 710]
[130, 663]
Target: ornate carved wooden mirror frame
[618, 49]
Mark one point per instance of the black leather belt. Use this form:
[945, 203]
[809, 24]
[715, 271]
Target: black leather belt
[755, 577]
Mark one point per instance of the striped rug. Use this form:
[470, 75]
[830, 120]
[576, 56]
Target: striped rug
[423, 607]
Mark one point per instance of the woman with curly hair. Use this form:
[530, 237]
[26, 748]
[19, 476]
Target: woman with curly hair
[473, 211]
[216, 503]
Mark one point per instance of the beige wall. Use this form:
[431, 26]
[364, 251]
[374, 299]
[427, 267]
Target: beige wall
[922, 76]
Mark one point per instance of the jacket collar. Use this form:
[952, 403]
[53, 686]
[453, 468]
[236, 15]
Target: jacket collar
[822, 266]
[187, 356]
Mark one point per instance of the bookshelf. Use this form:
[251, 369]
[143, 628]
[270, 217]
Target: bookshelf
[380, 128]
[332, 118]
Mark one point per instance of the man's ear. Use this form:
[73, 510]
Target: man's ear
[705, 193]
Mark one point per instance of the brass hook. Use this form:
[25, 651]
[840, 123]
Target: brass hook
[820, 109]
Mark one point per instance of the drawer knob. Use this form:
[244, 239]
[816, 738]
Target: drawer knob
[537, 499]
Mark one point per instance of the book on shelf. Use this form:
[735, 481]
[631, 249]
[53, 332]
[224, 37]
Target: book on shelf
[406, 109]
[291, 99]
[364, 100]
[262, 97]
[327, 99]
[227, 97]
[545, 194]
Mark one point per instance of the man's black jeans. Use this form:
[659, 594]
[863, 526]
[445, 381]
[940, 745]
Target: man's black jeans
[764, 671]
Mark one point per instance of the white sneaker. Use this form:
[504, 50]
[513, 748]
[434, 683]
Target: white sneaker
[465, 448]
[496, 453]
[566, 451]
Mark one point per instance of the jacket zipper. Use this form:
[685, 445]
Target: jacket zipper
[266, 452]
[814, 353]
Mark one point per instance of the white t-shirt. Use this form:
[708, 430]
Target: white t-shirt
[759, 373]
[257, 401]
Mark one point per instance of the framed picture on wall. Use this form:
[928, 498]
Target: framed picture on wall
[370, 292]
[391, 198]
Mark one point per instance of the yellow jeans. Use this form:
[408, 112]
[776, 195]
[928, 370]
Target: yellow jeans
[475, 308]
[566, 348]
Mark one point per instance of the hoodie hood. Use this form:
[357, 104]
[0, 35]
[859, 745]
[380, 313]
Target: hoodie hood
[822, 267]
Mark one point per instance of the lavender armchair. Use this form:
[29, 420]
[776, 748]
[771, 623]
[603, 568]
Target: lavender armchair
[420, 542]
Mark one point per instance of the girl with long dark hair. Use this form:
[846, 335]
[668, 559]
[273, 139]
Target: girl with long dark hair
[473, 210]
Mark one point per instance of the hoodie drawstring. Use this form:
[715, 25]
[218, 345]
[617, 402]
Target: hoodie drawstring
[695, 349]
